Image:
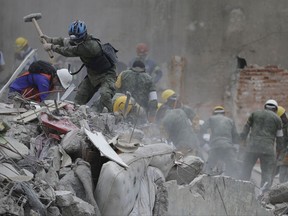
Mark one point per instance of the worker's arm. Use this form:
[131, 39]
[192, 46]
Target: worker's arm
[246, 130]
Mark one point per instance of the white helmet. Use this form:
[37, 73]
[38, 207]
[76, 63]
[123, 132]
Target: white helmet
[65, 77]
[271, 102]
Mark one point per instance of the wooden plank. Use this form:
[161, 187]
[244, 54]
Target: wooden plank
[33, 114]
[12, 110]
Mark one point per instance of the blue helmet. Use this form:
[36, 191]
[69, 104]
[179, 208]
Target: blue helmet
[77, 30]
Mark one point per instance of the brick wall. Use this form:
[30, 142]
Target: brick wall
[254, 85]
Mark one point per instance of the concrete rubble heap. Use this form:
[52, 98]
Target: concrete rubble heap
[57, 161]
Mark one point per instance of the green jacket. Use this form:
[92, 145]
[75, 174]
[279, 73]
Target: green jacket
[223, 131]
[140, 85]
[88, 50]
[264, 127]
[179, 130]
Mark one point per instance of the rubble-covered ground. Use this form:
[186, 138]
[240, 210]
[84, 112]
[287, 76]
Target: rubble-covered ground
[69, 160]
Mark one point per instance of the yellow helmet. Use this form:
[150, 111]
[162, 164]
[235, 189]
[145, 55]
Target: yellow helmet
[218, 109]
[119, 104]
[280, 111]
[159, 105]
[20, 43]
[166, 94]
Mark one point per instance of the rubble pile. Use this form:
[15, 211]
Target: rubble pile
[69, 160]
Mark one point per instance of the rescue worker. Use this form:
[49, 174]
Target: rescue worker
[134, 112]
[171, 101]
[223, 135]
[177, 129]
[141, 87]
[22, 49]
[36, 85]
[283, 152]
[101, 72]
[150, 66]
[263, 127]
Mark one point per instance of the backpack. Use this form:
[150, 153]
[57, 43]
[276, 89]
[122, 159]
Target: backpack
[110, 53]
[42, 67]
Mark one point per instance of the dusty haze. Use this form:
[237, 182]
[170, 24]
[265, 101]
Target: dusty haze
[208, 33]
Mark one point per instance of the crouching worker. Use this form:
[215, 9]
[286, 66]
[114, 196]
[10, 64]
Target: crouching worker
[39, 81]
[133, 112]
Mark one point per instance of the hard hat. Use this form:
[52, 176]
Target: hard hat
[218, 109]
[271, 103]
[65, 77]
[20, 43]
[141, 48]
[280, 111]
[119, 104]
[77, 30]
[159, 105]
[167, 93]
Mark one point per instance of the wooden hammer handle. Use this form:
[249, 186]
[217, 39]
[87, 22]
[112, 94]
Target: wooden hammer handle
[50, 53]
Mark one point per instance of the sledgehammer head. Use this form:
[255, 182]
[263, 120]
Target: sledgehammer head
[32, 16]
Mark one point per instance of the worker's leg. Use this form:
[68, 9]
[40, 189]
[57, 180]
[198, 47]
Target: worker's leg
[211, 161]
[229, 157]
[268, 166]
[107, 91]
[249, 161]
[283, 173]
[85, 91]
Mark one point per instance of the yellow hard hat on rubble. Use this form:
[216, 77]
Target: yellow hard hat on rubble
[167, 93]
[119, 104]
[218, 109]
[159, 105]
[20, 43]
[280, 111]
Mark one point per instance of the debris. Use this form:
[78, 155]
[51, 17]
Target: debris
[100, 143]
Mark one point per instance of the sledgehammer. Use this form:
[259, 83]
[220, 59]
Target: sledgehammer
[33, 18]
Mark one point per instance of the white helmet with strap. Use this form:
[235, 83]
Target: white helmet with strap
[271, 104]
[65, 77]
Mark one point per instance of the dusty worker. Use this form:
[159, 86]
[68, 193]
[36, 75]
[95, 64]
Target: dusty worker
[39, 81]
[129, 111]
[282, 160]
[150, 65]
[141, 87]
[263, 127]
[171, 101]
[101, 71]
[223, 135]
[22, 49]
[177, 129]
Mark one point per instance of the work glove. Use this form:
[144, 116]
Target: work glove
[47, 46]
[48, 39]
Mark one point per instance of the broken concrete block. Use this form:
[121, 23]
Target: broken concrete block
[53, 211]
[186, 169]
[64, 198]
[12, 148]
[7, 171]
[277, 194]
[71, 142]
[51, 177]
[213, 196]
[78, 208]
[103, 122]
[54, 157]
[71, 182]
[8, 206]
